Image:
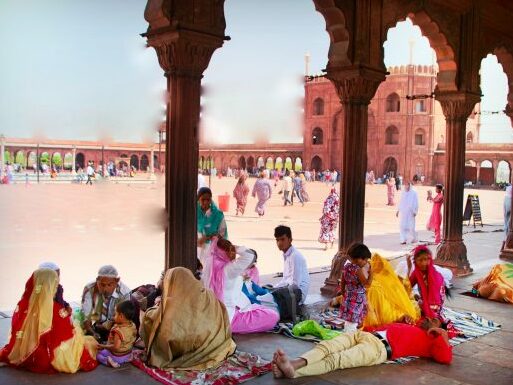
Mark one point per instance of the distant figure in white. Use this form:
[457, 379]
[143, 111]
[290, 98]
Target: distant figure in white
[201, 181]
[407, 211]
[507, 210]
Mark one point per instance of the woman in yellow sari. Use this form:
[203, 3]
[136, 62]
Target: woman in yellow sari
[387, 297]
[43, 339]
[497, 285]
[189, 329]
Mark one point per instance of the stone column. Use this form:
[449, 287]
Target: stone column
[2, 155]
[355, 87]
[507, 247]
[452, 252]
[74, 161]
[184, 55]
[152, 164]
[478, 172]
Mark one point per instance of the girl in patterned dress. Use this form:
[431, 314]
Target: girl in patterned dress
[356, 276]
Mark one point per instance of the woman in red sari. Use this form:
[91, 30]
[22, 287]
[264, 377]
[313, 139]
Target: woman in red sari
[43, 338]
[435, 220]
[240, 193]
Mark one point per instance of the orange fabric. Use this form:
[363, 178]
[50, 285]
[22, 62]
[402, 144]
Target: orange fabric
[498, 284]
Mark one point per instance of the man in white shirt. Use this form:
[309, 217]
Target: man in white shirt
[90, 174]
[407, 211]
[295, 271]
[287, 188]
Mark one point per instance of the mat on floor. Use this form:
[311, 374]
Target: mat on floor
[235, 369]
[470, 324]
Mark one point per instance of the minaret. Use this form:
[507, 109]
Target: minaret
[411, 42]
[307, 64]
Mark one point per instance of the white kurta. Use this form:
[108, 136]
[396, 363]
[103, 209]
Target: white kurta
[408, 208]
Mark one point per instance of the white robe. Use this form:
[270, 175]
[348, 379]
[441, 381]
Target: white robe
[408, 208]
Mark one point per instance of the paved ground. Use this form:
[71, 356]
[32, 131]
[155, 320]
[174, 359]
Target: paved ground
[81, 227]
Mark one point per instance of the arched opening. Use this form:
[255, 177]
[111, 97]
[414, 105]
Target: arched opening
[288, 163]
[318, 106]
[134, 162]
[57, 160]
[68, 161]
[201, 162]
[503, 172]
[7, 157]
[316, 163]
[278, 165]
[393, 103]
[419, 168]
[420, 106]
[144, 162]
[260, 162]
[486, 172]
[156, 163]
[251, 164]
[298, 164]
[420, 137]
[317, 136]
[80, 160]
[470, 171]
[470, 137]
[269, 164]
[233, 162]
[390, 166]
[242, 163]
[20, 159]
[31, 159]
[391, 135]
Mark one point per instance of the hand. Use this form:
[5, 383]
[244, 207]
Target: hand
[201, 241]
[408, 320]
[409, 262]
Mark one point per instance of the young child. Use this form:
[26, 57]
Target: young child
[430, 282]
[353, 284]
[123, 334]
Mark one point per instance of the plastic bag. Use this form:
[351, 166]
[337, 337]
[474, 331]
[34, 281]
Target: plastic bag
[313, 328]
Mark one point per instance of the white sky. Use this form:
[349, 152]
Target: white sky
[78, 69]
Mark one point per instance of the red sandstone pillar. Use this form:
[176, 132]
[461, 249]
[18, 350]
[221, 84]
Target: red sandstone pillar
[184, 55]
[355, 88]
[452, 252]
[507, 247]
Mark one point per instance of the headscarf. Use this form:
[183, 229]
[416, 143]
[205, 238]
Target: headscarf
[209, 224]
[49, 265]
[219, 260]
[431, 295]
[190, 329]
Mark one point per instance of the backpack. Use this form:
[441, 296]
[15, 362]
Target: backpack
[288, 299]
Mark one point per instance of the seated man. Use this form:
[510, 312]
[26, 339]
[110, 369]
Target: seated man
[99, 301]
[351, 350]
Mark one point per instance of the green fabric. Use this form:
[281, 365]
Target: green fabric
[209, 225]
[313, 328]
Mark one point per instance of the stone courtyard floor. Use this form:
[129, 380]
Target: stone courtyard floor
[81, 227]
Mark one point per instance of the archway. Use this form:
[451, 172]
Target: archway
[288, 163]
[317, 136]
[470, 137]
[251, 164]
[31, 159]
[278, 165]
[44, 158]
[470, 171]
[486, 173]
[392, 135]
[57, 160]
[316, 163]
[269, 164]
[134, 161]
[393, 103]
[390, 166]
[144, 162]
[156, 163]
[242, 163]
[80, 160]
[260, 162]
[68, 161]
[503, 172]
[420, 137]
[318, 106]
[419, 168]
[201, 162]
[298, 164]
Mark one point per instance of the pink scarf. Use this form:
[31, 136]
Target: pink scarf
[219, 261]
[432, 294]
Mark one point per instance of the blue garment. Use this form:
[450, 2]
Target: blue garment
[256, 289]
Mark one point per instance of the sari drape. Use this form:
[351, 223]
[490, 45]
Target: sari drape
[190, 329]
[43, 338]
[432, 295]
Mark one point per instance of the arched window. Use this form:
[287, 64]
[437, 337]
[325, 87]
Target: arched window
[393, 103]
[316, 163]
[317, 136]
[134, 161]
[420, 106]
[318, 107]
[420, 137]
[470, 137]
[392, 135]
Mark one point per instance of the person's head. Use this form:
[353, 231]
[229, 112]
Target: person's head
[125, 312]
[407, 186]
[283, 236]
[51, 266]
[227, 247]
[107, 280]
[287, 172]
[439, 188]
[359, 254]
[242, 179]
[422, 257]
[205, 198]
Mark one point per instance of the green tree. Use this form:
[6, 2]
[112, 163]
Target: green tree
[57, 159]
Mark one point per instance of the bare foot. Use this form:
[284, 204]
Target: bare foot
[277, 373]
[284, 365]
[112, 363]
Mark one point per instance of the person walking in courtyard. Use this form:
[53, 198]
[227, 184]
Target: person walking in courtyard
[90, 174]
[262, 190]
[287, 188]
[398, 183]
[297, 183]
[390, 191]
[329, 219]
[240, 193]
[407, 211]
[435, 220]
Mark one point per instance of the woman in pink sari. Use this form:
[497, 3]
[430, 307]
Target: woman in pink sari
[222, 273]
[435, 220]
[430, 282]
[240, 193]
[390, 191]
